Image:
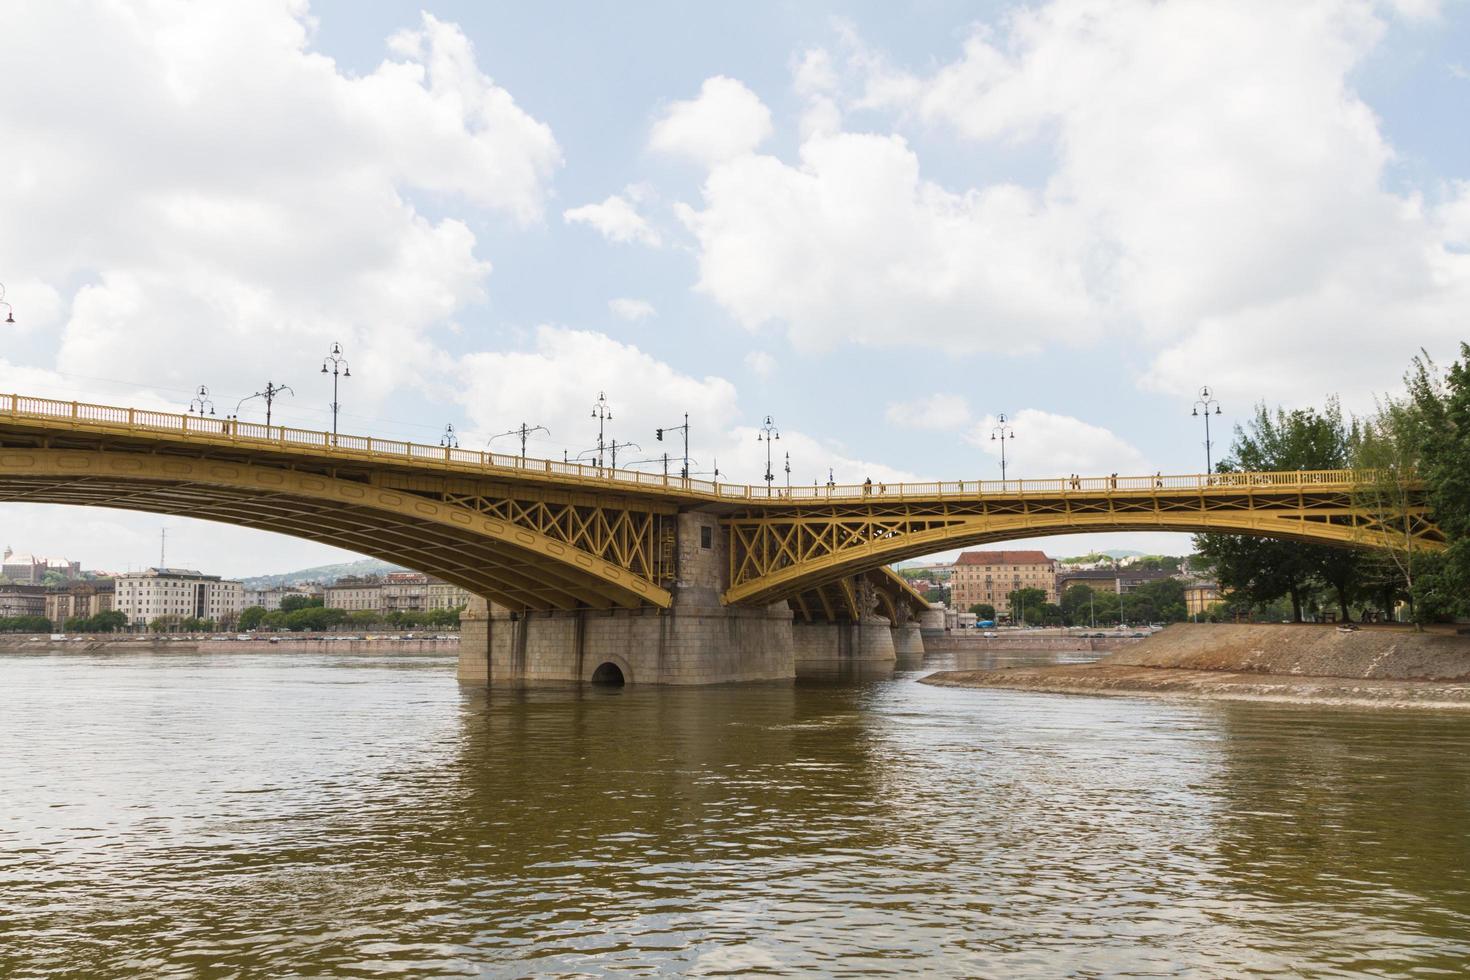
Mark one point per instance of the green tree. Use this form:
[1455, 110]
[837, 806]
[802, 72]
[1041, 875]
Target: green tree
[165, 624]
[1026, 605]
[251, 617]
[111, 621]
[1079, 603]
[1260, 570]
[24, 624]
[983, 610]
[1442, 403]
[292, 603]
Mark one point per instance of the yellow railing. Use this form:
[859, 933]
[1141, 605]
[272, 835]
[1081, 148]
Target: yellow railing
[186, 427]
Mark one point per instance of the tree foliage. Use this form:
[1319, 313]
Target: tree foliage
[24, 624]
[1262, 570]
[1440, 435]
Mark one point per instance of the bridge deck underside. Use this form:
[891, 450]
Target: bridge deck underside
[510, 576]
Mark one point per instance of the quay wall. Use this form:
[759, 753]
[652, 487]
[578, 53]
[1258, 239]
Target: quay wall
[953, 643]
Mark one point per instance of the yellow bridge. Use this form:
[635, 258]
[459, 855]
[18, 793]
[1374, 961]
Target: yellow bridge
[532, 534]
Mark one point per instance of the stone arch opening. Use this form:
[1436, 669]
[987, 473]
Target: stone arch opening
[608, 674]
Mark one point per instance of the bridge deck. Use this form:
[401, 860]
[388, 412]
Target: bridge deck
[49, 417]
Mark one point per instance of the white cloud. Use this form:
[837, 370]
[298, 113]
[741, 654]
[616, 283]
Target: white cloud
[761, 364]
[940, 411]
[631, 310]
[207, 200]
[854, 244]
[1223, 163]
[616, 219]
[1050, 445]
[557, 379]
[727, 120]
[1217, 193]
[194, 178]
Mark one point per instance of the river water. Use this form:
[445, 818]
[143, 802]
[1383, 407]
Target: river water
[287, 815]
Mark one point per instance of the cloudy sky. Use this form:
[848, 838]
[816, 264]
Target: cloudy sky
[881, 224]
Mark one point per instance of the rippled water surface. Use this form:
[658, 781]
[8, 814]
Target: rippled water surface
[178, 815]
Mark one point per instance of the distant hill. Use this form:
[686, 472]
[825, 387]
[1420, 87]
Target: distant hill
[322, 573]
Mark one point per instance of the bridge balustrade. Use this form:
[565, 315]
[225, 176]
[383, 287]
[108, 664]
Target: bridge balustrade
[236, 431]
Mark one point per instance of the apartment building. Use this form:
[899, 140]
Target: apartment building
[991, 576]
[79, 599]
[355, 594]
[176, 592]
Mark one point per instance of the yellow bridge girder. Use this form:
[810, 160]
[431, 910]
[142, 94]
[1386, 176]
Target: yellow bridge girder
[541, 534]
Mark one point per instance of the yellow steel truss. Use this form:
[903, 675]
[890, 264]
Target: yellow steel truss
[778, 551]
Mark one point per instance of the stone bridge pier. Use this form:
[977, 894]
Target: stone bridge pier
[698, 640]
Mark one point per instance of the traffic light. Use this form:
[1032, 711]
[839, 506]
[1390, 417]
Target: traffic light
[659, 433]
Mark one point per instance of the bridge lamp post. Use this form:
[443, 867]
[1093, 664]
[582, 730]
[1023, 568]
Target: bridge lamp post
[602, 413]
[9, 310]
[1002, 432]
[450, 439]
[200, 402]
[338, 365]
[269, 394]
[788, 471]
[768, 434]
[523, 430]
[1206, 402]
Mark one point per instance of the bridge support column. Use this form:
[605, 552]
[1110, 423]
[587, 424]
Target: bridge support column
[908, 641]
[868, 642]
[474, 642]
[696, 641]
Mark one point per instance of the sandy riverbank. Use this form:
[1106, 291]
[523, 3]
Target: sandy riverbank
[1302, 664]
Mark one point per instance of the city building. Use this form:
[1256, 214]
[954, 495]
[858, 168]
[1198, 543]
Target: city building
[32, 569]
[1201, 597]
[1119, 581]
[177, 593]
[1096, 579]
[991, 576]
[405, 592]
[78, 599]
[443, 595]
[22, 600]
[270, 599]
[355, 593]
[938, 571]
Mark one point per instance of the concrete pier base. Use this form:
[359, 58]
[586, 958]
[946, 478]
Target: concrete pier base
[474, 642]
[869, 641]
[908, 641]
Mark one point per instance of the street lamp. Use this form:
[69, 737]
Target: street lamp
[788, 471]
[449, 440]
[9, 310]
[338, 367]
[200, 402]
[768, 434]
[1002, 432]
[269, 394]
[602, 413]
[523, 430]
[1206, 400]
[659, 435]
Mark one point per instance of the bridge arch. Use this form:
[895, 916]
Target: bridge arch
[799, 566]
[491, 556]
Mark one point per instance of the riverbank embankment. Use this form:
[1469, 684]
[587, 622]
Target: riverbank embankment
[971, 642]
[1304, 664]
[312, 643]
